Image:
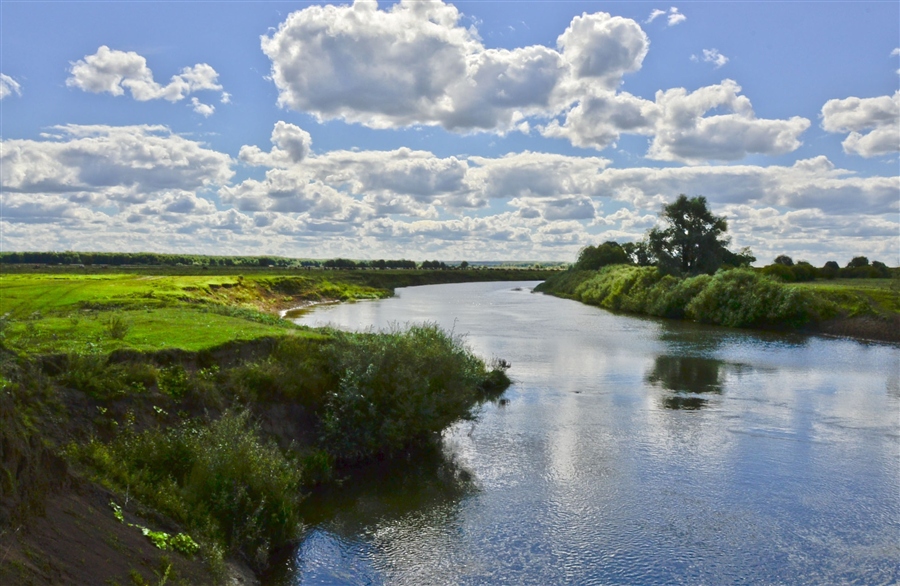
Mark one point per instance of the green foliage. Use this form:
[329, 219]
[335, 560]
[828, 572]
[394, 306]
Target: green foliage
[693, 242]
[221, 480]
[784, 260]
[618, 287]
[174, 382]
[397, 388]
[182, 542]
[743, 298]
[117, 326]
[96, 376]
[791, 273]
[591, 258]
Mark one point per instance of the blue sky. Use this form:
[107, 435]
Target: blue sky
[472, 130]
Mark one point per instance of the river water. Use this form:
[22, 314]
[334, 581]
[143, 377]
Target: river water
[628, 451]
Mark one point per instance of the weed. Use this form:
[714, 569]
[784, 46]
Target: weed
[117, 327]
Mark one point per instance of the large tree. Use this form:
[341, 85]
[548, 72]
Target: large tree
[693, 241]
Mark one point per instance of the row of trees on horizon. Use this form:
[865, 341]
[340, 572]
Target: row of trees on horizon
[159, 259]
[693, 242]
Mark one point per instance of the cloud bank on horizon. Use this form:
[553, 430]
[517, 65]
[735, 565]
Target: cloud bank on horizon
[447, 135]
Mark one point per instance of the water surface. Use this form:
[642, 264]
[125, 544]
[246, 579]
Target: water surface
[631, 451]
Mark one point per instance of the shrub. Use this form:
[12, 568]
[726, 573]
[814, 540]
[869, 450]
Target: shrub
[95, 376]
[612, 287]
[743, 298]
[396, 389]
[222, 481]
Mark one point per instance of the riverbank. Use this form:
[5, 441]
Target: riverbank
[740, 298]
[164, 428]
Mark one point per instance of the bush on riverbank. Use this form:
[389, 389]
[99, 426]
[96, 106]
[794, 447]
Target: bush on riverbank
[734, 298]
[221, 481]
[398, 388]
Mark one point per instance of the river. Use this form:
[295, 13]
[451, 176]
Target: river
[628, 451]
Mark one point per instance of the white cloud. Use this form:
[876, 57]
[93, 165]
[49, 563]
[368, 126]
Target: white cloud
[599, 119]
[879, 116]
[895, 52]
[140, 186]
[9, 86]
[656, 13]
[602, 48]
[415, 64]
[675, 17]
[204, 110]
[113, 72]
[99, 165]
[679, 123]
[713, 56]
[684, 132]
[292, 145]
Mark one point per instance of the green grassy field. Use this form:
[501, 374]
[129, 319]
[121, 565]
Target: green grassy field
[47, 313]
[70, 309]
[853, 294]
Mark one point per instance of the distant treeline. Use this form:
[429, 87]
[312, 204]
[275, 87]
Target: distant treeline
[157, 259]
[785, 269]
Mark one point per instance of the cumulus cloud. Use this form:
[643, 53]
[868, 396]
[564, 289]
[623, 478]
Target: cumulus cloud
[143, 185]
[602, 48]
[685, 133]
[9, 86]
[879, 116]
[292, 145]
[113, 72]
[599, 119]
[415, 64]
[679, 123]
[102, 164]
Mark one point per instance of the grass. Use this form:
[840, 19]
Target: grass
[860, 296]
[65, 310]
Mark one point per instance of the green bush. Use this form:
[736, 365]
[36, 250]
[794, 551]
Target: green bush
[396, 389]
[103, 380]
[618, 287]
[220, 480]
[744, 298]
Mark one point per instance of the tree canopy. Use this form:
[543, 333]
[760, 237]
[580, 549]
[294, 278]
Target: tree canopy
[693, 242]
[592, 258]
